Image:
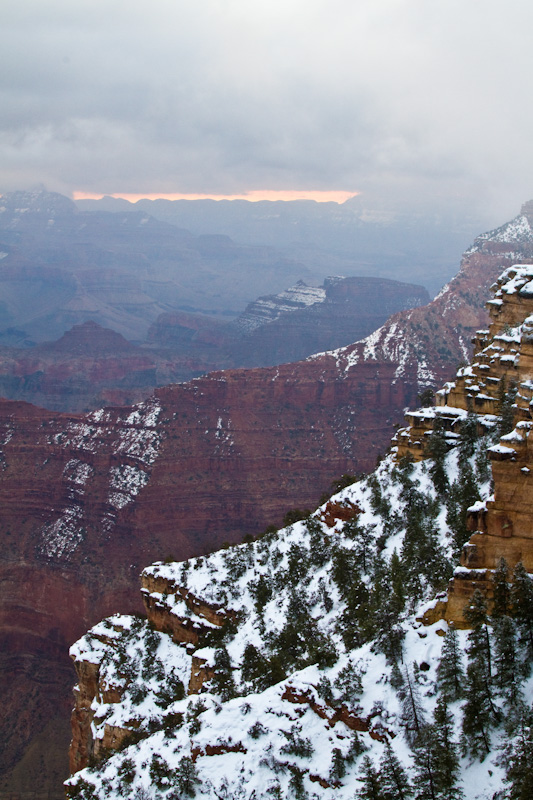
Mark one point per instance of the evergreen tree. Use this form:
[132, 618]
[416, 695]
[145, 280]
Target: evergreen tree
[436, 759]
[223, 678]
[445, 753]
[425, 765]
[253, 666]
[482, 461]
[479, 711]
[520, 762]
[338, 766]
[412, 712]
[506, 400]
[506, 660]
[450, 672]
[186, 776]
[522, 605]
[462, 494]
[261, 592]
[371, 788]
[355, 623]
[344, 569]
[397, 579]
[394, 780]
[296, 784]
[437, 448]
[501, 590]
[476, 615]
[468, 437]
[384, 613]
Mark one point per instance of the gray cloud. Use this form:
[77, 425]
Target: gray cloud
[414, 98]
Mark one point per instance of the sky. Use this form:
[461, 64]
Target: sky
[420, 102]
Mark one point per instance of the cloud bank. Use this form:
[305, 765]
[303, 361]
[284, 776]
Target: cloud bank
[419, 100]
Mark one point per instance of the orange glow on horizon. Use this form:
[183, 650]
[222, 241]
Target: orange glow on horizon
[253, 196]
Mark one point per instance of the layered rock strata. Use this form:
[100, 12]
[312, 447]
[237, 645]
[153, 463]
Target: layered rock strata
[499, 380]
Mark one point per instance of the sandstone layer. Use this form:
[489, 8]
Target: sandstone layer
[499, 377]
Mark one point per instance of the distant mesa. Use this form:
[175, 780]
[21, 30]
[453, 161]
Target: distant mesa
[90, 339]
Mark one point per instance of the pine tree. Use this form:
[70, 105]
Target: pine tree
[223, 678]
[384, 613]
[505, 660]
[468, 437]
[186, 776]
[425, 765]
[296, 784]
[479, 711]
[338, 766]
[436, 760]
[520, 762]
[507, 411]
[395, 783]
[482, 462]
[412, 712]
[445, 753]
[476, 615]
[450, 672]
[437, 449]
[253, 665]
[371, 788]
[522, 605]
[397, 578]
[501, 590]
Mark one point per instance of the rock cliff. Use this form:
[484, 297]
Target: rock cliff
[499, 381]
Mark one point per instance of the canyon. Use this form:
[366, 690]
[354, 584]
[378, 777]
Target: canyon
[89, 500]
[223, 623]
[91, 366]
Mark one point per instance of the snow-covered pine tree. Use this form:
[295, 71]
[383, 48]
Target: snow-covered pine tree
[450, 672]
[479, 711]
[371, 788]
[522, 605]
[394, 781]
[501, 590]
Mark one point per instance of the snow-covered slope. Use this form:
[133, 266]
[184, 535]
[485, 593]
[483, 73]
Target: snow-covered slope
[438, 336]
[311, 679]
[267, 309]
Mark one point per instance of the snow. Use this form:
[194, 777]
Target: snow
[246, 759]
[502, 449]
[267, 309]
[518, 230]
[135, 436]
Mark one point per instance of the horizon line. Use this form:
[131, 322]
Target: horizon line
[254, 196]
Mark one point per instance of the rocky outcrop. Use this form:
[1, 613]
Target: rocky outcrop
[498, 381]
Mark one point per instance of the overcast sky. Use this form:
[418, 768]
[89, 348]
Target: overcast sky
[412, 99]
